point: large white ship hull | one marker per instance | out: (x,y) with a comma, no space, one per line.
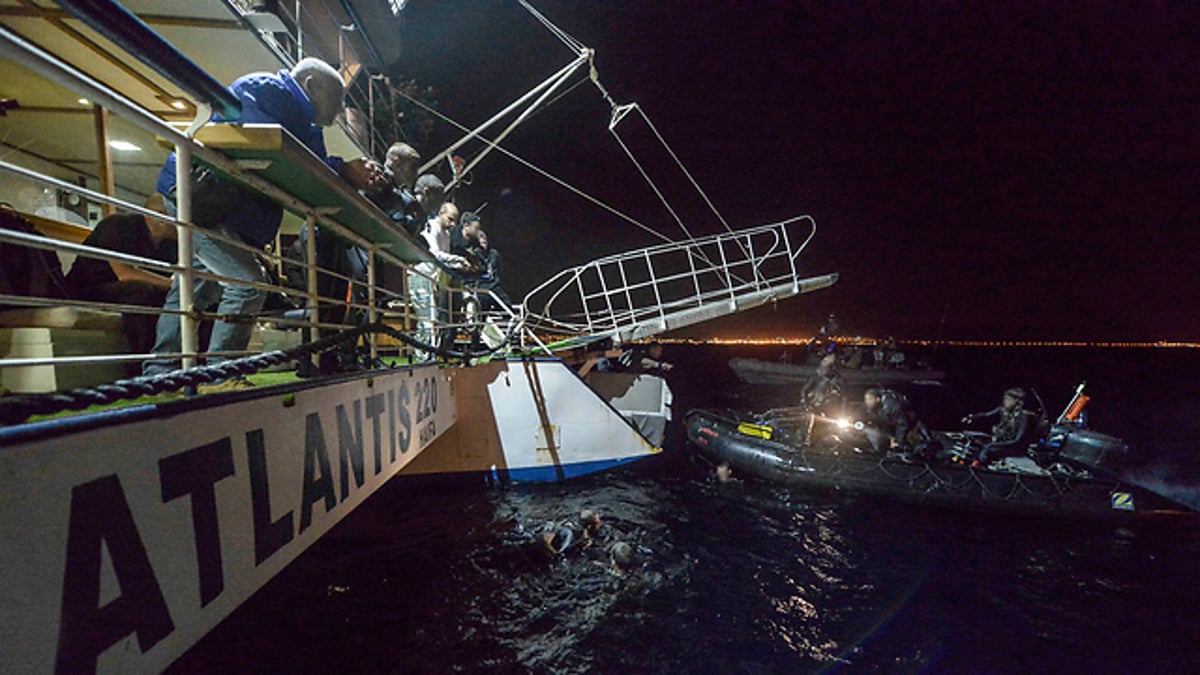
(128,535)
(536,420)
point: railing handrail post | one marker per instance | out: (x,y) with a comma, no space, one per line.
(189,339)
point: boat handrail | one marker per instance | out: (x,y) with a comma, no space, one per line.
(653,289)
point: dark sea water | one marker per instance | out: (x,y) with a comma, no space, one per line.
(747,578)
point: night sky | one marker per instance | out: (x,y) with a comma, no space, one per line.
(1027,169)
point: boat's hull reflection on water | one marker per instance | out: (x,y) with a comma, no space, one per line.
(742,576)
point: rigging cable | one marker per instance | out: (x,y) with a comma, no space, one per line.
(618,112)
(544,173)
(683,168)
(567,39)
(553,84)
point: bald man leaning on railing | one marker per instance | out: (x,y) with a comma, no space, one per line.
(302,101)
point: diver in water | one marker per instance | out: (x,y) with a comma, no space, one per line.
(621,556)
(897,427)
(723,472)
(589,526)
(560,537)
(1013,431)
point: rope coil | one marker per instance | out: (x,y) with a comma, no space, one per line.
(18,409)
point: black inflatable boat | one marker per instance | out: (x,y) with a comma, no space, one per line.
(1071,472)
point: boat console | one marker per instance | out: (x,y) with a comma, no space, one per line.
(1087,449)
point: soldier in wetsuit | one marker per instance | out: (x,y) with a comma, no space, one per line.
(824,386)
(1014,430)
(894,420)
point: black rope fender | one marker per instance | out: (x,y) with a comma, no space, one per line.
(18,409)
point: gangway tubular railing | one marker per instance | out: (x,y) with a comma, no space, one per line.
(727,258)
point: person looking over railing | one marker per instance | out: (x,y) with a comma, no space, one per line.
(98,280)
(462,244)
(302,101)
(462,237)
(437,236)
(488,261)
(430,193)
(344,264)
(401,164)
(397,198)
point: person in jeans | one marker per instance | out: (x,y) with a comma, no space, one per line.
(302,101)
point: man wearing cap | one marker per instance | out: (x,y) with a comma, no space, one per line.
(1013,431)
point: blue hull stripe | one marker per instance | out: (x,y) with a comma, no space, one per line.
(550,474)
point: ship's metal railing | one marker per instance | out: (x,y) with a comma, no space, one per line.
(389,304)
(652,290)
(392,305)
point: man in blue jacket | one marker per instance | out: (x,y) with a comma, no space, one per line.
(303,101)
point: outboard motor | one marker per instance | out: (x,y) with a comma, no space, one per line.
(1087,449)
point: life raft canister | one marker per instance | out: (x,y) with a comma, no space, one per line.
(755,430)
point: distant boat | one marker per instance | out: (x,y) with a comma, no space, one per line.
(756,371)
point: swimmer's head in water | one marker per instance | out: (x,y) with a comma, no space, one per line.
(589,520)
(622,555)
(724,473)
(558,540)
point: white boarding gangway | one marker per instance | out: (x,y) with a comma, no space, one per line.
(645,292)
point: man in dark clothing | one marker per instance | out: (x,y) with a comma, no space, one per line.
(488,260)
(411,210)
(462,237)
(400,164)
(824,386)
(462,245)
(644,359)
(398,198)
(1014,430)
(895,422)
(344,265)
(98,280)
(430,194)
